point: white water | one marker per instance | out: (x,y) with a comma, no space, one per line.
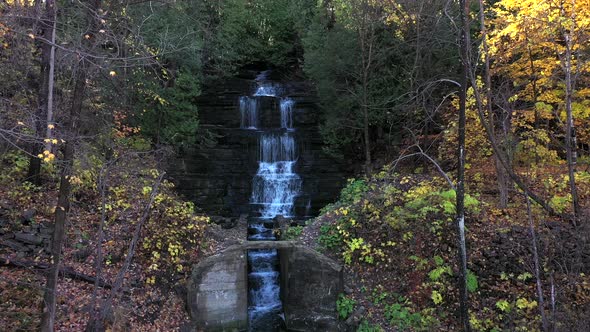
(268,90)
(248,112)
(274,188)
(287,113)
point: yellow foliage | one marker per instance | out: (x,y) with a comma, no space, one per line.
(527,43)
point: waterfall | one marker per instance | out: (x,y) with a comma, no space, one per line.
(248,112)
(277,148)
(268,90)
(274,188)
(287,113)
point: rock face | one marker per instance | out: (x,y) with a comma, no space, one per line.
(310,284)
(218,293)
(218,178)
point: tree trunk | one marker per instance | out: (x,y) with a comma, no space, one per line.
(63,203)
(570,133)
(537,264)
(503,183)
(366,35)
(461,242)
(367,140)
(65,271)
(47,31)
(50,82)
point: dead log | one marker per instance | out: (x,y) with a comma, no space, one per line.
(65,271)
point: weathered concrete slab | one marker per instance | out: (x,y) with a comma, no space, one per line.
(310,283)
(218,293)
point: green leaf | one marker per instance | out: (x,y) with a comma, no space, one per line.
(436,297)
(472,283)
(438,260)
(503,305)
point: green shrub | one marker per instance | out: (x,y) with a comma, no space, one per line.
(353,192)
(330,237)
(365,326)
(344,306)
(293,232)
(400,316)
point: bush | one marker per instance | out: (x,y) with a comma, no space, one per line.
(344,306)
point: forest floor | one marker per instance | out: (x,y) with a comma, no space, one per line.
(151,299)
(397,243)
(141,307)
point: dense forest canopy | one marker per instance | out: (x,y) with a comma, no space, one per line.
(450,112)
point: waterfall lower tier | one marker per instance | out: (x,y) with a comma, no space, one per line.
(275,187)
(264,302)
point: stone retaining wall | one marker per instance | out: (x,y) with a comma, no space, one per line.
(32,238)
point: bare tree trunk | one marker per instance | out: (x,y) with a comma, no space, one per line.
(503,183)
(367,139)
(50,81)
(461,241)
(102,185)
(47,32)
(570,133)
(553,306)
(366,36)
(63,204)
(537,264)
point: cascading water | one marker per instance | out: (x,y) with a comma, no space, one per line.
(287,113)
(249,112)
(268,90)
(275,184)
(274,189)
